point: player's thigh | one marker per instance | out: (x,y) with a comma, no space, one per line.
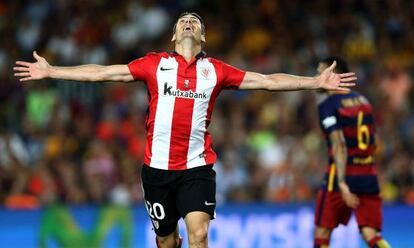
(197,223)
(369,212)
(331,210)
(197,192)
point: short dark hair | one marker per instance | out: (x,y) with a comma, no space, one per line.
(341,65)
(203,28)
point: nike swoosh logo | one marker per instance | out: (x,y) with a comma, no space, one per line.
(165,69)
(209,203)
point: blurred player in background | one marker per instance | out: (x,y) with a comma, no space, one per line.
(178,178)
(350,183)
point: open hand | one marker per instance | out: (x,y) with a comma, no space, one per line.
(350,199)
(329,80)
(32,71)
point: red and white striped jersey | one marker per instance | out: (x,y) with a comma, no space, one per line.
(181,99)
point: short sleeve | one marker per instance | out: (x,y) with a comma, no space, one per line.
(328,117)
(231,76)
(139,67)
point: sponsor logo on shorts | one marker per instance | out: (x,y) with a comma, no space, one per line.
(209,203)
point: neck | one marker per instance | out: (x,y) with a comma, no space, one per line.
(188,49)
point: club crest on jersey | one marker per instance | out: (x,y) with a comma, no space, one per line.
(186,83)
(205,72)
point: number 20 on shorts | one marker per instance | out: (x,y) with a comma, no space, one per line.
(155,211)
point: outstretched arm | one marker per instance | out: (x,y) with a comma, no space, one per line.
(327,80)
(340,156)
(93,73)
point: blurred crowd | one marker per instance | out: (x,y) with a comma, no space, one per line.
(83,143)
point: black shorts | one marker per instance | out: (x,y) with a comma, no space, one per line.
(171,195)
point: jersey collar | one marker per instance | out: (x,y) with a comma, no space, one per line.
(200,55)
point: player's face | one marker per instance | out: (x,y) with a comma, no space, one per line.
(188,26)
